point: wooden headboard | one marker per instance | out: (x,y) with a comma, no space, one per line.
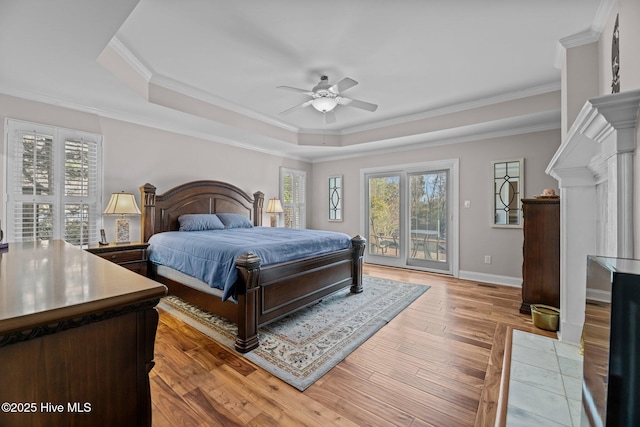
(160,212)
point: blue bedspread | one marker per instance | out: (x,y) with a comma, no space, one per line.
(209,255)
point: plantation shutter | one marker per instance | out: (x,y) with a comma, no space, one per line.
(80,192)
(53,184)
(293,190)
(31,186)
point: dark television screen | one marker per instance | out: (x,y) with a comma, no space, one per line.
(611,382)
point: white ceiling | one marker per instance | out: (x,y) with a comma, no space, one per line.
(210,68)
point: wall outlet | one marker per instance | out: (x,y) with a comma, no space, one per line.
(487,259)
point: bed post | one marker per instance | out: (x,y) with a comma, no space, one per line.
(258,202)
(247,286)
(148,193)
(358,243)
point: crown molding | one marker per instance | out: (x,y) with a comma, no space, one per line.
(575,40)
(580,39)
(154,78)
(456,108)
(201,95)
(312,158)
(602,15)
(136,64)
(144,121)
(587,36)
(470,136)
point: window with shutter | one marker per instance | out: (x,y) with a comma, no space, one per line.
(54,186)
(293,197)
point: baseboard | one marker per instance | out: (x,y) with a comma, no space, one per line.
(598,295)
(491,278)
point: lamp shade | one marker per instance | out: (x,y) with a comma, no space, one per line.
(122,204)
(274,206)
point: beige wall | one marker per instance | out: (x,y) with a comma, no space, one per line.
(135,155)
(477,237)
(581,76)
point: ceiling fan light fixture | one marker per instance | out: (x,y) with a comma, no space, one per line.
(324,104)
(325,97)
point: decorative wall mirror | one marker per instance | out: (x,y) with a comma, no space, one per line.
(508,190)
(335,198)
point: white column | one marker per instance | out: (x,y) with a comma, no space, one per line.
(578,212)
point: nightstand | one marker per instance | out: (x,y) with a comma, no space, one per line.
(129,255)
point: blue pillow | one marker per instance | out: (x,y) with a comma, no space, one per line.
(231,220)
(199,222)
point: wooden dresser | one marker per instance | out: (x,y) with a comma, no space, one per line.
(77,336)
(541,253)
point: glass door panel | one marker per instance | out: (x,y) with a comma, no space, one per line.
(428,220)
(408,214)
(384,239)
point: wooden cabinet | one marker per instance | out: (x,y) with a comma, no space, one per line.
(541,253)
(77,338)
(129,255)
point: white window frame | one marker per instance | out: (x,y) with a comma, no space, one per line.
(58,200)
(298,203)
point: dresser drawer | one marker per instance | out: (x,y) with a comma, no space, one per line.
(132,256)
(120,257)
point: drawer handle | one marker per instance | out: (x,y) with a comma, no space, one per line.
(113,256)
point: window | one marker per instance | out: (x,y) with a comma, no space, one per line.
(54,186)
(292,190)
(335,198)
(508,185)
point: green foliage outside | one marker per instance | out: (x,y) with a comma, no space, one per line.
(427,204)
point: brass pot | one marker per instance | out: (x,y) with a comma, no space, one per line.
(545,317)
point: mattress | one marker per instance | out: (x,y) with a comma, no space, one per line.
(210,255)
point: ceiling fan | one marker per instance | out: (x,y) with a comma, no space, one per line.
(325,97)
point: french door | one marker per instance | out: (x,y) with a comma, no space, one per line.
(408,215)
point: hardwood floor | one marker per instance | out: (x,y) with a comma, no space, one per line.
(438,363)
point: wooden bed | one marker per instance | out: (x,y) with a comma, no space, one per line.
(265,293)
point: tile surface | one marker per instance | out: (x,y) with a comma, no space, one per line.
(544,383)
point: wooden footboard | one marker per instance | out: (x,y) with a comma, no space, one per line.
(272,292)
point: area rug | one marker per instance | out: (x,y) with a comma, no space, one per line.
(302,347)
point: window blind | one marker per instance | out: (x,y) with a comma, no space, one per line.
(80,192)
(293,189)
(53,184)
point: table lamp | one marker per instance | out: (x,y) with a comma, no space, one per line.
(123,204)
(274,207)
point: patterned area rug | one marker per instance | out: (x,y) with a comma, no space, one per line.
(302,347)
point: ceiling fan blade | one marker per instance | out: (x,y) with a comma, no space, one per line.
(343,85)
(356,103)
(329,117)
(295,107)
(295,89)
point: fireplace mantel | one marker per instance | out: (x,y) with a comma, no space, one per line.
(594,168)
